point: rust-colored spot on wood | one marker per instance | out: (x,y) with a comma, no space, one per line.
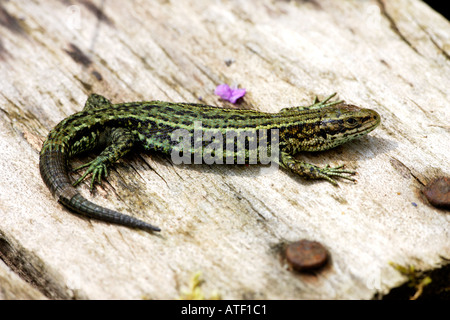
(437,192)
(305,255)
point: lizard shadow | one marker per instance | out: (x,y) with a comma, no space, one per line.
(353,151)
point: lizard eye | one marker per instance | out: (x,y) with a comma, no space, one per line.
(351,122)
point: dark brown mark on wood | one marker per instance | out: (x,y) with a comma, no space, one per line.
(98,12)
(314,3)
(97,75)
(10,22)
(78,56)
(3,52)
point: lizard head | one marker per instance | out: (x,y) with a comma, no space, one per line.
(341,123)
(330,126)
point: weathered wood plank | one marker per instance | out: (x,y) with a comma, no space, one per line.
(230,222)
(12,287)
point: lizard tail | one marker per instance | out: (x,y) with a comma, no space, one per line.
(52,165)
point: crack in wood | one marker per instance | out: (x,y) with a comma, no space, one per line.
(33,270)
(439,48)
(394,27)
(404,171)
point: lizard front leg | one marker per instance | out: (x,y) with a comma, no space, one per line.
(310,171)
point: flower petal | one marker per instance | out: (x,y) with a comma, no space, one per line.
(236,94)
(223,91)
(230,94)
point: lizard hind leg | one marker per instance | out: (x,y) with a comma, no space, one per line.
(119,143)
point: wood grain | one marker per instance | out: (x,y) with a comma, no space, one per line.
(229,222)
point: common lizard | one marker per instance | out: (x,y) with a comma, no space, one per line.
(120,127)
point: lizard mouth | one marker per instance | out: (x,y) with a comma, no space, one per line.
(369,122)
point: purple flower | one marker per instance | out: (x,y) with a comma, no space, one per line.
(230,94)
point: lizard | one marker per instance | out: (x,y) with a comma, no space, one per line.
(121,127)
